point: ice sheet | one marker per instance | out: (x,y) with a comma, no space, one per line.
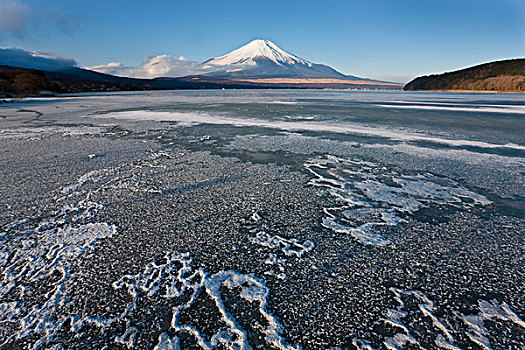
(185,118)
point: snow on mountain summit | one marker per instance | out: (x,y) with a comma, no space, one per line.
(264,59)
(256,50)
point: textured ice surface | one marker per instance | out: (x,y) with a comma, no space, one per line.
(372,195)
(414,321)
(489,311)
(96,218)
(191,118)
(174,277)
(42,254)
(41,251)
(38,263)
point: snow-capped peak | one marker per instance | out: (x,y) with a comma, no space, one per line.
(254,50)
(263,59)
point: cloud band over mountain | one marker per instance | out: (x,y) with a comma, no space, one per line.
(34,59)
(152,67)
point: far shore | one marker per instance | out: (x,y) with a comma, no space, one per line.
(471,91)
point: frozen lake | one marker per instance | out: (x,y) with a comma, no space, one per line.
(271,219)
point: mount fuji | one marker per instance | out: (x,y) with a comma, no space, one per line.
(262,59)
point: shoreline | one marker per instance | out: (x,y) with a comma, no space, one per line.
(470,91)
(95,93)
(18,98)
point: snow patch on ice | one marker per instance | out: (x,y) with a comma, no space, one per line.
(489,311)
(290,247)
(39,132)
(283,248)
(372,195)
(176,279)
(513,109)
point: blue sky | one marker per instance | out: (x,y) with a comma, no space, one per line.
(392,40)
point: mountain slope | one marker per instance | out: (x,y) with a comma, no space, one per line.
(504,76)
(261,59)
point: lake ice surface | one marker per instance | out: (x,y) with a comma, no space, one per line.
(263,219)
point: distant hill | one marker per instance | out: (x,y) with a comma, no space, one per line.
(16,81)
(501,76)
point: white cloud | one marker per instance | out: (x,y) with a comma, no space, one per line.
(165,66)
(110,68)
(152,67)
(15,18)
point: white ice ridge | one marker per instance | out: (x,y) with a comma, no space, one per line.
(405,318)
(372,196)
(489,311)
(282,247)
(174,278)
(395,317)
(513,109)
(290,247)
